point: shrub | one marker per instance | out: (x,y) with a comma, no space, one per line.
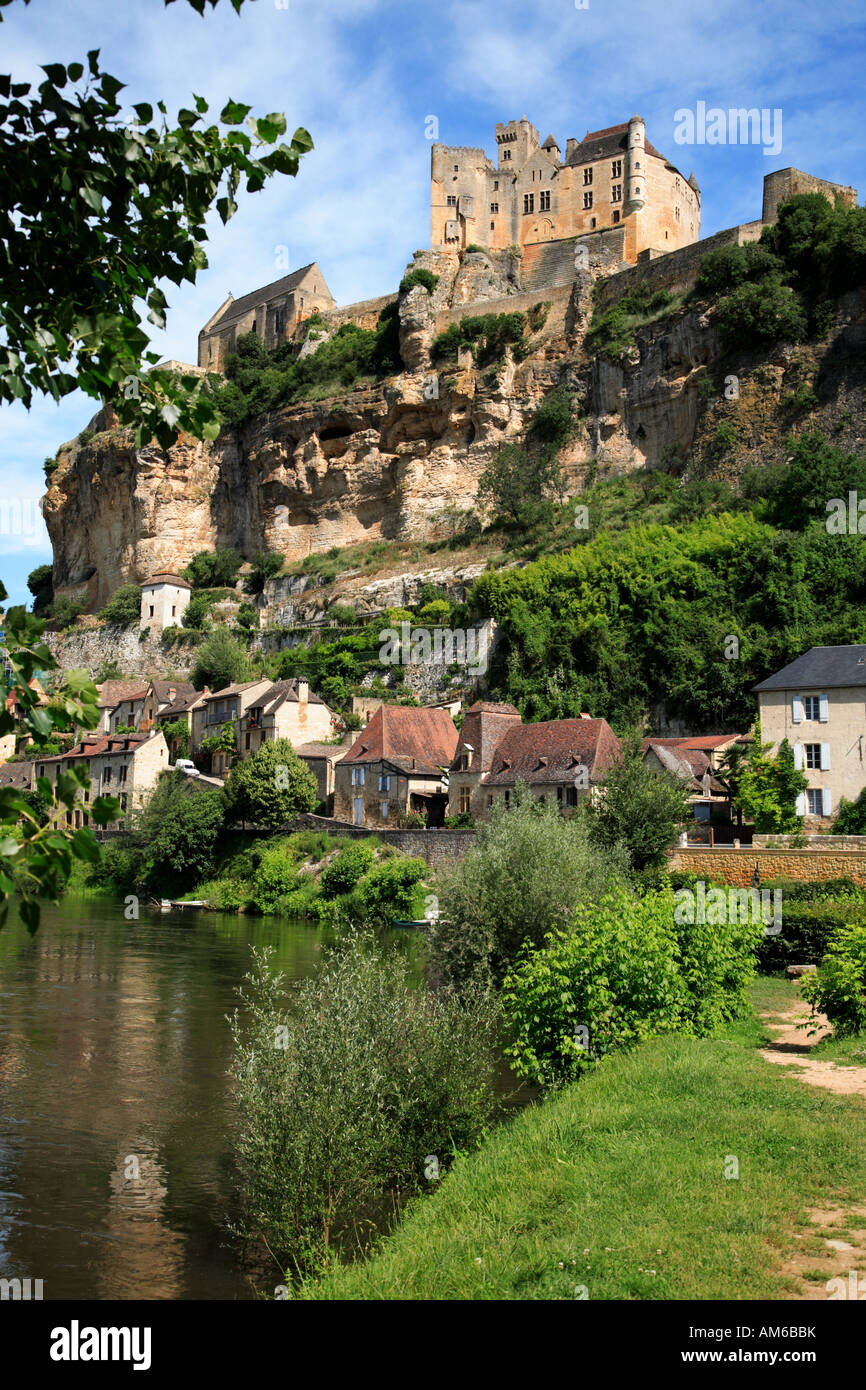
(65,611)
(247,617)
(275,877)
(620,972)
(419,276)
(525,874)
(487,335)
(181,826)
(851,816)
(612,332)
(124,607)
(765,311)
(265,565)
(391,890)
(553,421)
(119,867)
(344,872)
(211,569)
(41,585)
(343,1095)
(807,929)
(639,809)
(270,788)
(729,266)
(838,988)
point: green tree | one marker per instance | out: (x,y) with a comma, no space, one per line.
(521,485)
(265,565)
(270,788)
(98,206)
(180,826)
(124,607)
(36,859)
(768,788)
(638,808)
(40,583)
(210,569)
(220,661)
(851,816)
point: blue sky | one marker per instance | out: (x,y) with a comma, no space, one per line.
(364,75)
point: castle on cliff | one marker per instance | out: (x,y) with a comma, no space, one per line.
(613,193)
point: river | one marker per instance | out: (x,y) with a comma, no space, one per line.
(114,1050)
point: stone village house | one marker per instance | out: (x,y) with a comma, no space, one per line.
(818,703)
(396,766)
(259,711)
(697,760)
(125,766)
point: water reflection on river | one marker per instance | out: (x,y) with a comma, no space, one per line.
(114,1050)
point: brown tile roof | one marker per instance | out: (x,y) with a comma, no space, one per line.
(696,741)
(332,751)
(687,762)
(550,752)
(401,733)
(602,144)
(281,692)
(484,727)
(166,577)
(248,302)
(173,691)
(233,689)
(112,693)
(92,747)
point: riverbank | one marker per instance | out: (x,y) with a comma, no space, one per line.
(690,1168)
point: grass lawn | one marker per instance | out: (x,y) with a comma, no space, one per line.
(618,1184)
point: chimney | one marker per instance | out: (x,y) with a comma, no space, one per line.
(570,147)
(303,691)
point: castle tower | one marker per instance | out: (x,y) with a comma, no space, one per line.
(636,167)
(515,142)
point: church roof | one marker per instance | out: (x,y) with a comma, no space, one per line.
(247,302)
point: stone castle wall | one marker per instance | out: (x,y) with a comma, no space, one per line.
(676,270)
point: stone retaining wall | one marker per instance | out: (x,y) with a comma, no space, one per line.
(736,866)
(437,847)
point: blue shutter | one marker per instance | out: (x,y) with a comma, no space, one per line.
(827,800)
(798,756)
(824,708)
(801,803)
(797,709)
(825,757)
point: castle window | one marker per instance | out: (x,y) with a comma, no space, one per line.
(616,193)
(495,185)
(493,226)
(151,610)
(506,154)
(587,176)
(529,202)
(677,185)
(666,234)
(637,164)
(592,222)
(456,167)
(452,200)
(677,214)
(616,169)
(544,201)
(494,207)
(615,216)
(587,200)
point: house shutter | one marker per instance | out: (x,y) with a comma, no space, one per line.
(827,800)
(798,756)
(797,709)
(824,709)
(825,757)
(801,803)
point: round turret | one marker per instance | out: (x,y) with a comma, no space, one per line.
(635,183)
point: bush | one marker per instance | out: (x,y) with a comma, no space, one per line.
(212,569)
(765,311)
(419,276)
(124,607)
(639,809)
(41,585)
(266,564)
(838,988)
(64,612)
(553,421)
(270,788)
(391,890)
(851,816)
(344,872)
(807,929)
(344,1095)
(619,973)
(612,332)
(247,617)
(181,826)
(487,335)
(275,878)
(197,610)
(723,270)
(525,874)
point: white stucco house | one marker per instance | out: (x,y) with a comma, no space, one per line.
(164,600)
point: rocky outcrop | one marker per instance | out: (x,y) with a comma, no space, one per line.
(389,461)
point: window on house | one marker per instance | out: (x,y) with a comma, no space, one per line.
(494,207)
(384,782)
(465,798)
(452,200)
(529,202)
(544,201)
(495,185)
(592,222)
(507,796)
(106,775)
(246,741)
(173,611)
(123,798)
(616,216)
(587,176)
(151,610)
(383,807)
(357,777)
(121,773)
(616,169)
(815,801)
(587,200)
(811,707)
(493,226)
(616,193)
(813,754)
(489,800)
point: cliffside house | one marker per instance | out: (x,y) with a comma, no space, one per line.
(164,600)
(121,704)
(398,764)
(180,710)
(273,312)
(697,760)
(162,695)
(287,709)
(322,759)
(484,726)
(559,760)
(124,766)
(818,703)
(226,706)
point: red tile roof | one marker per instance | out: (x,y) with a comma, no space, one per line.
(113,693)
(401,733)
(550,752)
(484,727)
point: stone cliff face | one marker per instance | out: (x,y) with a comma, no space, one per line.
(384,461)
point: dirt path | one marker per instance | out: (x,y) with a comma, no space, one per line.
(830,1259)
(792,1046)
